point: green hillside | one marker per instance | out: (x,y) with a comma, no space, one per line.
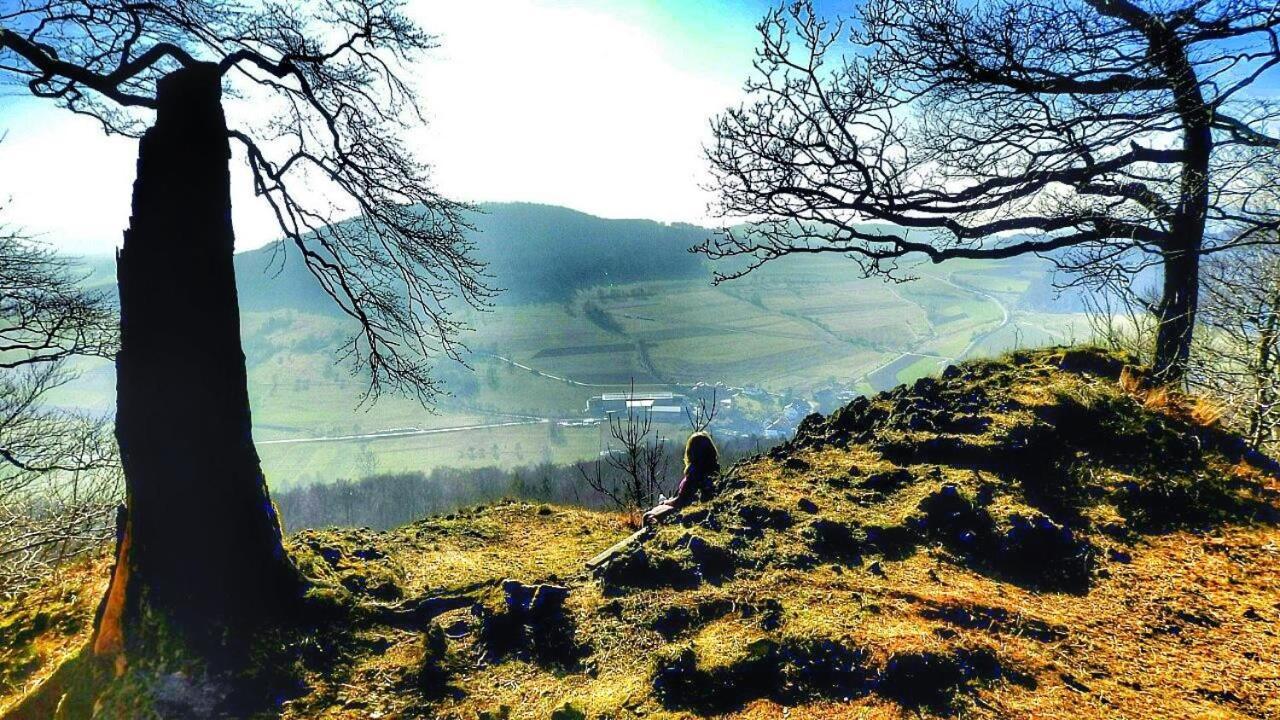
(591,305)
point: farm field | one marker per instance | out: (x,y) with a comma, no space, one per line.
(794,330)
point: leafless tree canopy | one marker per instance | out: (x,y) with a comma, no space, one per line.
(1238,359)
(635,464)
(329,102)
(702,412)
(45,317)
(1121,133)
(59,477)
(59,474)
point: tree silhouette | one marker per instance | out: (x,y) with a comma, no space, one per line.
(59,483)
(318,103)
(1120,134)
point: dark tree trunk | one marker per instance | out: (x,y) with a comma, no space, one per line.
(1177,314)
(201,551)
(1181,296)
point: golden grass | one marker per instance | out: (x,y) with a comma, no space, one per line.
(47,625)
(1186,629)
(1128,643)
(1121,642)
(1198,410)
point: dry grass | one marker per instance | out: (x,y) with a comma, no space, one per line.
(1178,623)
(1198,410)
(46,625)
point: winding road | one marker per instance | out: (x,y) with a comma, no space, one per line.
(404,432)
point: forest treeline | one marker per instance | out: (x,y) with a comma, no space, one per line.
(388,500)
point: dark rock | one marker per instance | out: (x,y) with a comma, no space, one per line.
(796,464)
(893,541)
(939,450)
(369,553)
(965,424)
(532,624)
(458,629)
(548,600)
(759,516)
(812,427)
(636,568)
(831,539)
(679,683)
(517,596)
(1119,556)
(857,417)
(713,561)
(1041,552)
(769,612)
(887,481)
(673,621)
(825,668)
(917,421)
(807,505)
(533,600)
(932,680)
(953,518)
(926,387)
(1093,362)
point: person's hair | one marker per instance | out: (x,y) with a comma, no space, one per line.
(701,455)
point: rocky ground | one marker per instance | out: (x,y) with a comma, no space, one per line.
(1039,536)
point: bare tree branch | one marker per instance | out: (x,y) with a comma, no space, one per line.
(321,101)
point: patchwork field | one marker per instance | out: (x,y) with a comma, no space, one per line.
(795,329)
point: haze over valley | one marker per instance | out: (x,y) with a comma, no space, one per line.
(588,306)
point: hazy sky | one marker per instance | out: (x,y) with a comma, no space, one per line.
(599,105)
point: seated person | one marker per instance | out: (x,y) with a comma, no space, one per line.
(701,465)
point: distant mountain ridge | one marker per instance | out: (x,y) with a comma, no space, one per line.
(535,253)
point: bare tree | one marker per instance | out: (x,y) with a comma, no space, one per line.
(59,482)
(702,413)
(1237,359)
(45,316)
(318,103)
(637,464)
(1112,135)
(59,478)
(1121,322)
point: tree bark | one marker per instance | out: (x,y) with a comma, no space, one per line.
(201,551)
(1177,315)
(1181,255)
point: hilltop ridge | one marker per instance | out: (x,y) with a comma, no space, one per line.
(1042,535)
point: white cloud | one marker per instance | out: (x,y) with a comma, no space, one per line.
(568,106)
(599,110)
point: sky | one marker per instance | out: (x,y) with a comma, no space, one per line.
(598,105)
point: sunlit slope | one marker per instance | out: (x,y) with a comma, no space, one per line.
(1041,536)
(1038,536)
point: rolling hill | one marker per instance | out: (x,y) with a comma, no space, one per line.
(590,306)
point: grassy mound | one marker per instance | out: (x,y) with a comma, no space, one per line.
(1040,536)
